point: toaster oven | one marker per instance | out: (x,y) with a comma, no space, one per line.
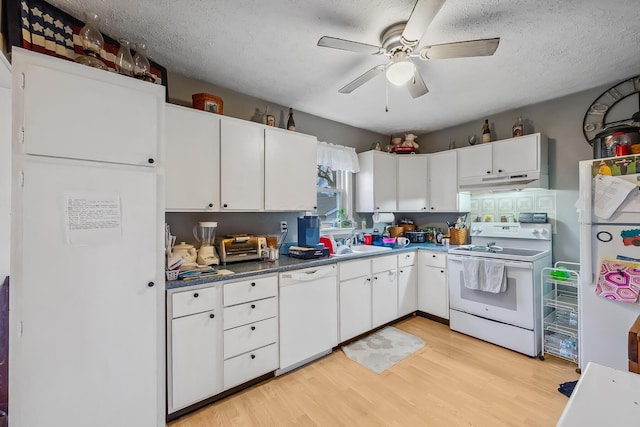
(242,248)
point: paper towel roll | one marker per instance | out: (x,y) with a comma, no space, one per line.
(386,217)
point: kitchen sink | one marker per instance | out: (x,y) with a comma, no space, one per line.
(360,249)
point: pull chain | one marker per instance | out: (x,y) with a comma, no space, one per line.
(386,95)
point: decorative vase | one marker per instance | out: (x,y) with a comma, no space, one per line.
(124,60)
(141,66)
(92,43)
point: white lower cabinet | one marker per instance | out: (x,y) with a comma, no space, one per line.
(219,336)
(407,284)
(250,329)
(368,294)
(195,354)
(433,291)
(384,290)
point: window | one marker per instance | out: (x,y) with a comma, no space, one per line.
(334,193)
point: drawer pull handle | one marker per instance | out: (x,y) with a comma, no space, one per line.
(253,356)
(375,277)
(253,284)
(368,279)
(196,295)
(210,205)
(434,256)
(253,306)
(401,271)
(212,315)
(253,328)
(150,284)
(441,271)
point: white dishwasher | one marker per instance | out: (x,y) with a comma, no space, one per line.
(308,315)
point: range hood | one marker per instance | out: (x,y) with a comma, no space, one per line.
(504,182)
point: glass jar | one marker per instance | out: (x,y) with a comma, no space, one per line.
(141,66)
(92,43)
(124,60)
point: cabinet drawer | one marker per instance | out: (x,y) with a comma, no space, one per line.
(248,337)
(433,259)
(407,259)
(250,365)
(384,263)
(250,290)
(351,269)
(195,301)
(250,312)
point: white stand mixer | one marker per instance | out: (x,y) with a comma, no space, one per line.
(205,233)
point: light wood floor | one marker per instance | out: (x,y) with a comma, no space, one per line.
(455,380)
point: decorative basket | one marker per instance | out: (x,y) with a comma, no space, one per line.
(172,274)
(207,102)
(458,236)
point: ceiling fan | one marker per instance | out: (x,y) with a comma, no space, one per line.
(400,44)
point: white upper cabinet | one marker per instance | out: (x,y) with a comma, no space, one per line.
(241,165)
(192,166)
(517,155)
(475,161)
(443,184)
(516,163)
(376,183)
(83,113)
(290,171)
(412,183)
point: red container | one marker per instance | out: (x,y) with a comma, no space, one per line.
(368,239)
(622,150)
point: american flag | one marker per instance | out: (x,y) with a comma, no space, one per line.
(46,29)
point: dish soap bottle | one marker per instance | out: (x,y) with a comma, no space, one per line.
(518,128)
(486,132)
(291,125)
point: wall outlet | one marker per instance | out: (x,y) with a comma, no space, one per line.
(283,226)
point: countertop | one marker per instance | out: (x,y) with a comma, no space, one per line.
(287,263)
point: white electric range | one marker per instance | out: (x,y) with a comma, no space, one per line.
(510,318)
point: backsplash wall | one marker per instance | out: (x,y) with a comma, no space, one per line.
(505,207)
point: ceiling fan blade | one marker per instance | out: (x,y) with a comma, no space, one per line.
(416,85)
(482,47)
(378,69)
(423,13)
(349,45)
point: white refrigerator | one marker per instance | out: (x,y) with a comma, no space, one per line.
(607,289)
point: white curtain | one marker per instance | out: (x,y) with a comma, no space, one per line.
(338,157)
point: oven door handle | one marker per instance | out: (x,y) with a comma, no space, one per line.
(515,264)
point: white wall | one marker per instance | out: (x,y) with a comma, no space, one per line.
(561,121)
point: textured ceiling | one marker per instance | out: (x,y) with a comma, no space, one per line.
(267,49)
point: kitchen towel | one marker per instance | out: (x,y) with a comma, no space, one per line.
(619,280)
(472,273)
(495,279)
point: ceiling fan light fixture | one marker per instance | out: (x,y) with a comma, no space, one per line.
(401,69)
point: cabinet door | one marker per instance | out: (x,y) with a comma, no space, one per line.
(384,182)
(443,182)
(67,110)
(192,166)
(241,165)
(384,297)
(433,292)
(412,183)
(407,290)
(355,307)
(516,155)
(475,161)
(290,171)
(93,307)
(195,359)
